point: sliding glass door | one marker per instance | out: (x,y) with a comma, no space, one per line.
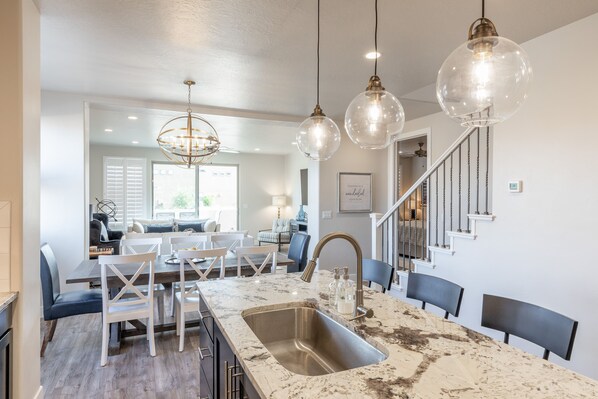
(205,191)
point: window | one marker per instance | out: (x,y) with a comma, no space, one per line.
(174,192)
(124,182)
(205,191)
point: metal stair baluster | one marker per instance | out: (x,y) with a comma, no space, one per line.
(451,202)
(468,181)
(444,205)
(487,166)
(459,229)
(436,208)
(477,210)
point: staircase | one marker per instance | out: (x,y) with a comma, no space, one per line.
(442,207)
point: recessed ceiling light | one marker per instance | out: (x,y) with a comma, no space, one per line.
(108,130)
(400,152)
(372,55)
(133,117)
(256,149)
(134,142)
(294,143)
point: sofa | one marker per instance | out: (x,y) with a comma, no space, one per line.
(174,225)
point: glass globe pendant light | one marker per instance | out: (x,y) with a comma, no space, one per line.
(485,80)
(318,137)
(374,116)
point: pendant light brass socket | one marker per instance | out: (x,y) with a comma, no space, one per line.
(485,28)
(318,111)
(482,37)
(375,84)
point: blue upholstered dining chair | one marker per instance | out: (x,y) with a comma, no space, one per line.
(58,305)
(298,252)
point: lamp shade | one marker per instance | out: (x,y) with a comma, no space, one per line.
(279,200)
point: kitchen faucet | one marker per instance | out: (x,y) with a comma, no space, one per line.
(360,310)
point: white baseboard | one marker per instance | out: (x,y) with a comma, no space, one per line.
(40,393)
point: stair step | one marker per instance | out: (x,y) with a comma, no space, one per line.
(423,263)
(460,234)
(441,250)
(480,217)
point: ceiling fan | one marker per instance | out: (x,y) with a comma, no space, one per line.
(421,153)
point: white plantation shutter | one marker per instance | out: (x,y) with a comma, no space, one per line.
(124,183)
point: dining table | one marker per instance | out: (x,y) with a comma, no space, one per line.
(166,273)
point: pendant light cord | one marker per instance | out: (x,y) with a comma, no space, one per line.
(483,8)
(318,60)
(375,37)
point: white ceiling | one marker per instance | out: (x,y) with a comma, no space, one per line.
(236,133)
(259,56)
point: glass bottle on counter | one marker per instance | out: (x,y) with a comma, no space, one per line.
(346,294)
(333,289)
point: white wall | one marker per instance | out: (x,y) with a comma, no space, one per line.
(63,208)
(19,163)
(539,248)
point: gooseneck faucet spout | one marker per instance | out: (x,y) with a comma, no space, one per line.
(360,310)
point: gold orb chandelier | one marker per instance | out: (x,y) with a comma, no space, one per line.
(189,139)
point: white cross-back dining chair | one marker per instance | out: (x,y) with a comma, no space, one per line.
(187,297)
(245,252)
(228,240)
(188,242)
(122,306)
(132,246)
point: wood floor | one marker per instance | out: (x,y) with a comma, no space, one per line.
(71,365)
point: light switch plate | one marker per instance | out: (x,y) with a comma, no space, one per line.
(515,186)
(326,214)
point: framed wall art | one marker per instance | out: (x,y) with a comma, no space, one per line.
(354,192)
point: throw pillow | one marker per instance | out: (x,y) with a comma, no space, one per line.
(158,228)
(196,227)
(103,232)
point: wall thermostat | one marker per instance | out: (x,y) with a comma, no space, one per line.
(515,186)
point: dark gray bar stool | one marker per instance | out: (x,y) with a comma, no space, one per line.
(378,272)
(552,331)
(437,291)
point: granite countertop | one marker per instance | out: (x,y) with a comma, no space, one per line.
(6,298)
(428,357)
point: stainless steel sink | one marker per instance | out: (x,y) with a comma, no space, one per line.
(306,341)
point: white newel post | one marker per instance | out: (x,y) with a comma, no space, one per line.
(376,236)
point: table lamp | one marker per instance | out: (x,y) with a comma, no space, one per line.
(279,201)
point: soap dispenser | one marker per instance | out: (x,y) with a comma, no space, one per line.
(333,289)
(346,294)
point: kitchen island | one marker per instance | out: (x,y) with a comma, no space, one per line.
(427,356)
